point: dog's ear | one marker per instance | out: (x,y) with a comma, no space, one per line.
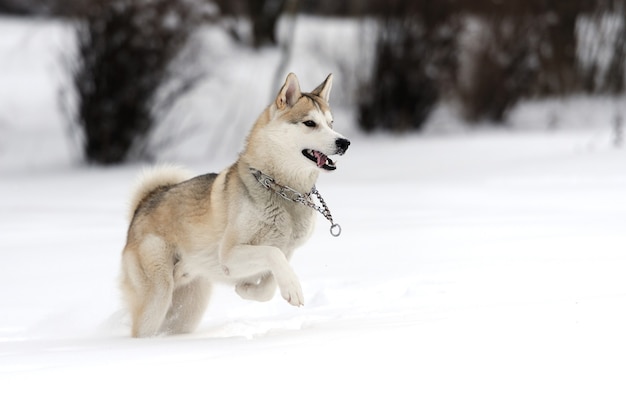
(289,93)
(323,90)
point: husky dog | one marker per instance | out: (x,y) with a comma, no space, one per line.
(187,233)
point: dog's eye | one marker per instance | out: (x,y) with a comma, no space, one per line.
(309,123)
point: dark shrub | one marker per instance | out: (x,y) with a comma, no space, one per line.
(415,57)
(499,68)
(125,49)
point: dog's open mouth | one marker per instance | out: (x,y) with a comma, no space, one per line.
(321,160)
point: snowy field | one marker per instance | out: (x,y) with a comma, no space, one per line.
(480,271)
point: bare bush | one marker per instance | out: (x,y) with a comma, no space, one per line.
(125,50)
(263,17)
(414,56)
(499,65)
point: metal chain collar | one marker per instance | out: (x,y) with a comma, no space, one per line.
(291,194)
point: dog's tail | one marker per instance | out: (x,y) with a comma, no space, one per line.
(153,178)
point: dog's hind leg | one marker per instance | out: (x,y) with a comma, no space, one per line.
(188,305)
(148,284)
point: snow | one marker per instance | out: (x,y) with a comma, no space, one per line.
(480,270)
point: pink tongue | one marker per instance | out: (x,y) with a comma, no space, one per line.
(321,158)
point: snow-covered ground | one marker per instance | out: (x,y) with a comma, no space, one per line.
(480,271)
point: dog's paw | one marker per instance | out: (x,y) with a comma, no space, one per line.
(292,293)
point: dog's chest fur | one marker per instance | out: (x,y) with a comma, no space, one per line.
(284,226)
(261,218)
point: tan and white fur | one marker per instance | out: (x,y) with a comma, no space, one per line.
(187,233)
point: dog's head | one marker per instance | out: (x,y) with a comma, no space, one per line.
(303,123)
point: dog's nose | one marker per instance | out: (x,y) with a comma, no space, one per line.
(342,145)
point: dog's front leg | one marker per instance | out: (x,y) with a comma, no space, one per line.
(242,261)
(260,288)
